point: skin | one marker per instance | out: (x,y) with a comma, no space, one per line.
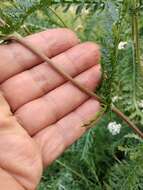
(41,113)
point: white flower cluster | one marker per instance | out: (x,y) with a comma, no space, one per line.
(122,45)
(114,128)
(116,98)
(140,104)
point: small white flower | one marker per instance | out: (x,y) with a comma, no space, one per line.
(122,45)
(140,104)
(114,128)
(116,98)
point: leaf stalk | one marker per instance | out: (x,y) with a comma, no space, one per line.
(39,53)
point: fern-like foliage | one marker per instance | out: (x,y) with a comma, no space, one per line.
(28,16)
(127,174)
(99,160)
(123,76)
(127,71)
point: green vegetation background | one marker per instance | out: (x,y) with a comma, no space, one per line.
(99,160)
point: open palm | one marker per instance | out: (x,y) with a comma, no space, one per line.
(41,113)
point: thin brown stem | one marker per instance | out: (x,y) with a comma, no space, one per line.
(39,53)
(128,121)
(55,67)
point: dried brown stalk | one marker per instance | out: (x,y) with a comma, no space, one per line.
(39,53)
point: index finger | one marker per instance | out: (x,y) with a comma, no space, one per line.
(15,58)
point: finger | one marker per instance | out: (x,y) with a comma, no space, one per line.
(33,83)
(54,139)
(15,58)
(46,110)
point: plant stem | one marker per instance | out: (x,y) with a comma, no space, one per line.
(36,51)
(76,2)
(128,121)
(74,172)
(135,30)
(54,12)
(39,53)
(136,49)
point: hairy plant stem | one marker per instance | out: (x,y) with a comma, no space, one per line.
(135,30)
(39,53)
(136,48)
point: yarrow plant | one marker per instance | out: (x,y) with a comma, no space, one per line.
(114,128)
(91,163)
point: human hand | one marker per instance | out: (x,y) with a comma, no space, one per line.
(41,114)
